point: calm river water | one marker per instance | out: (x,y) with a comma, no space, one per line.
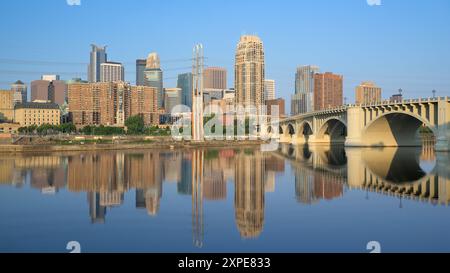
(296,199)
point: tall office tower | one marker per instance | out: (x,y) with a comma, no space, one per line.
(50,78)
(20,92)
(53,91)
(172,98)
(154,76)
(185,83)
(367,92)
(328,91)
(215,78)
(249,71)
(112,72)
(6,105)
(57,92)
(98,56)
(140,68)
(39,90)
(269,90)
(249,193)
(303,99)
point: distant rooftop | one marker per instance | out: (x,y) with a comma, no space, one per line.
(37,105)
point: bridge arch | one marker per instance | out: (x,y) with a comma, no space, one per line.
(333,130)
(304,132)
(290,129)
(395,129)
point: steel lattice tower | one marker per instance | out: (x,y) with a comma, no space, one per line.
(197,94)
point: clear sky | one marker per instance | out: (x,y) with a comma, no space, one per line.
(400,44)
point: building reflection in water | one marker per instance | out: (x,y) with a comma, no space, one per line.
(249,192)
(320,173)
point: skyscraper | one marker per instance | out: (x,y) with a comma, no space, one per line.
(328,91)
(39,90)
(140,68)
(98,56)
(303,99)
(249,193)
(215,78)
(249,71)
(54,91)
(20,92)
(112,72)
(367,92)
(269,90)
(154,76)
(185,84)
(172,98)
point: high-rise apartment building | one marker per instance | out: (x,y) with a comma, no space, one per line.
(98,56)
(367,92)
(215,78)
(20,92)
(185,83)
(303,99)
(144,102)
(140,68)
(111,103)
(6,105)
(249,71)
(154,76)
(112,72)
(269,90)
(328,91)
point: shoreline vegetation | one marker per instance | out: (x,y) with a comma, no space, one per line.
(36,144)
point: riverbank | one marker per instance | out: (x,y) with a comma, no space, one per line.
(100,145)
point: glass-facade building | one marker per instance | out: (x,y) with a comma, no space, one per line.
(98,56)
(303,100)
(140,69)
(154,78)
(185,84)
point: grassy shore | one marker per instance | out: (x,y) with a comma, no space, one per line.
(61,144)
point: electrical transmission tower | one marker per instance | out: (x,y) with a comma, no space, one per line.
(197,94)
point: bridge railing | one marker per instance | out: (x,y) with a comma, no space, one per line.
(381,103)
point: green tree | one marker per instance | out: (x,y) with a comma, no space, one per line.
(135,125)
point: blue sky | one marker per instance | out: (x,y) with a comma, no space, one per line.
(400,44)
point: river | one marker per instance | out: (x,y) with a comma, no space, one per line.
(296,199)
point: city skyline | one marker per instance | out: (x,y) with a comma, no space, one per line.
(361,60)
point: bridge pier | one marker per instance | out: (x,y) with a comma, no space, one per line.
(443,135)
(355,126)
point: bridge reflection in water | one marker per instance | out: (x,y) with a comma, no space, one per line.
(323,172)
(318,173)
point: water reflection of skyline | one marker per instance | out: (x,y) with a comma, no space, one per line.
(319,173)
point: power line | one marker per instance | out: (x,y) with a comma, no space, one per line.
(41,62)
